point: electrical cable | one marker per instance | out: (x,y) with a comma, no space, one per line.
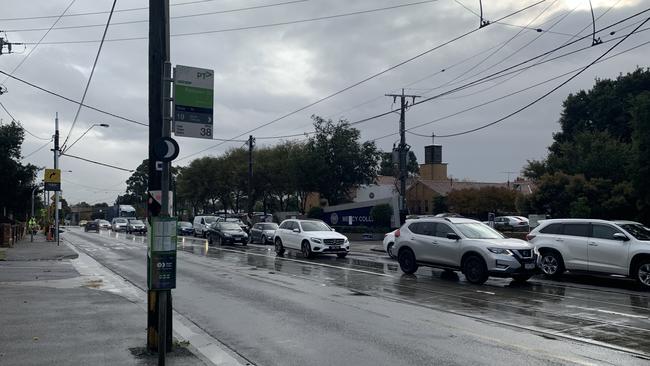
(90,78)
(91,187)
(171,18)
(98,163)
(21,125)
(39,41)
(37,150)
(72,100)
(327,17)
(421,54)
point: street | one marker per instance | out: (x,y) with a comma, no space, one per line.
(362,310)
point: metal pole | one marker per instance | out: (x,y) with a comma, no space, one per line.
(31,229)
(402,153)
(56,166)
(250,176)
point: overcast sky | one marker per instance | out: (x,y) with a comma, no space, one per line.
(266,72)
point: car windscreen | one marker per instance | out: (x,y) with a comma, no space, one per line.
(121,221)
(229,226)
(478,231)
(210,219)
(136,222)
(184,224)
(638,231)
(269,226)
(236,221)
(314,226)
(104,222)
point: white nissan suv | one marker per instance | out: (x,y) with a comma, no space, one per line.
(465,245)
(311,237)
(597,246)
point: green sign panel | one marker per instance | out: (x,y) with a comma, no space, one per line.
(193,102)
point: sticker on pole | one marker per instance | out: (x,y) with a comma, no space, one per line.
(193,102)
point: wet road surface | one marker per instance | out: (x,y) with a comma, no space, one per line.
(363,310)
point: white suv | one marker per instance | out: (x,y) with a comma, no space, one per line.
(465,245)
(599,246)
(311,237)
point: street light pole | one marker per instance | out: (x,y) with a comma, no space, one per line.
(66,148)
(56,166)
(31,230)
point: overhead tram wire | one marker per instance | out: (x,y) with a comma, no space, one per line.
(421,54)
(327,17)
(90,78)
(98,163)
(501,73)
(172,17)
(72,100)
(37,150)
(547,93)
(21,125)
(39,42)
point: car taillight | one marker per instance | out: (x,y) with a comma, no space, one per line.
(397,233)
(530,237)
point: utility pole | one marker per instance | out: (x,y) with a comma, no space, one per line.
(251,143)
(56,166)
(403,149)
(159,302)
(5,42)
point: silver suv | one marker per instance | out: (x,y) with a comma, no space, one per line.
(598,246)
(465,245)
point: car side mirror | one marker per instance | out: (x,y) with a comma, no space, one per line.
(620,236)
(296,230)
(453,236)
(333,229)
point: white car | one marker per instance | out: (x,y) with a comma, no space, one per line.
(459,244)
(596,246)
(389,242)
(311,237)
(119,224)
(201,224)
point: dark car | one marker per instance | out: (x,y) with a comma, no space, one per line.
(184,228)
(226,232)
(263,232)
(92,226)
(136,226)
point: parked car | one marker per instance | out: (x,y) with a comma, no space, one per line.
(263,232)
(459,244)
(92,226)
(311,237)
(184,228)
(511,223)
(201,224)
(103,224)
(226,233)
(119,224)
(136,226)
(239,222)
(596,246)
(389,242)
(83,223)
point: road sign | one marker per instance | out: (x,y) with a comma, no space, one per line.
(52,179)
(161,264)
(166,149)
(193,102)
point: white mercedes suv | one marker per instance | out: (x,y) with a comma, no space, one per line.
(311,237)
(596,246)
(459,244)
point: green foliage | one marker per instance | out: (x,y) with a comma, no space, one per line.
(381,215)
(440,204)
(478,202)
(315,213)
(599,163)
(389,168)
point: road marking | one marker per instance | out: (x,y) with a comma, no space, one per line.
(607,312)
(486,292)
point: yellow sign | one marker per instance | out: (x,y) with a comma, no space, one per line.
(52,175)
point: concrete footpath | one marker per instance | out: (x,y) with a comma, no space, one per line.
(53,314)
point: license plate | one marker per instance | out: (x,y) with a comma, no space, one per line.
(529,266)
(335,247)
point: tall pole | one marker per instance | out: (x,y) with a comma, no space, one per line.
(31,229)
(251,142)
(403,149)
(56,166)
(159,327)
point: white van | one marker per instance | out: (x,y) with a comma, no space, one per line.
(201,224)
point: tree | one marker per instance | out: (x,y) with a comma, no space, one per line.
(18,180)
(338,161)
(641,150)
(478,202)
(381,215)
(389,168)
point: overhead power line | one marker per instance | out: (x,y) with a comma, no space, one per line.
(90,78)
(253,26)
(21,125)
(97,162)
(173,17)
(421,54)
(37,150)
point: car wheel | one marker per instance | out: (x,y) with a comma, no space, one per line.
(341,255)
(475,270)
(643,273)
(407,261)
(210,239)
(264,240)
(521,278)
(306,250)
(389,250)
(279,248)
(552,264)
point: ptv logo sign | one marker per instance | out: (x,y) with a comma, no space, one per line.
(203,75)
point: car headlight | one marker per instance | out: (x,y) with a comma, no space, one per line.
(500,251)
(346,241)
(316,240)
(226,235)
